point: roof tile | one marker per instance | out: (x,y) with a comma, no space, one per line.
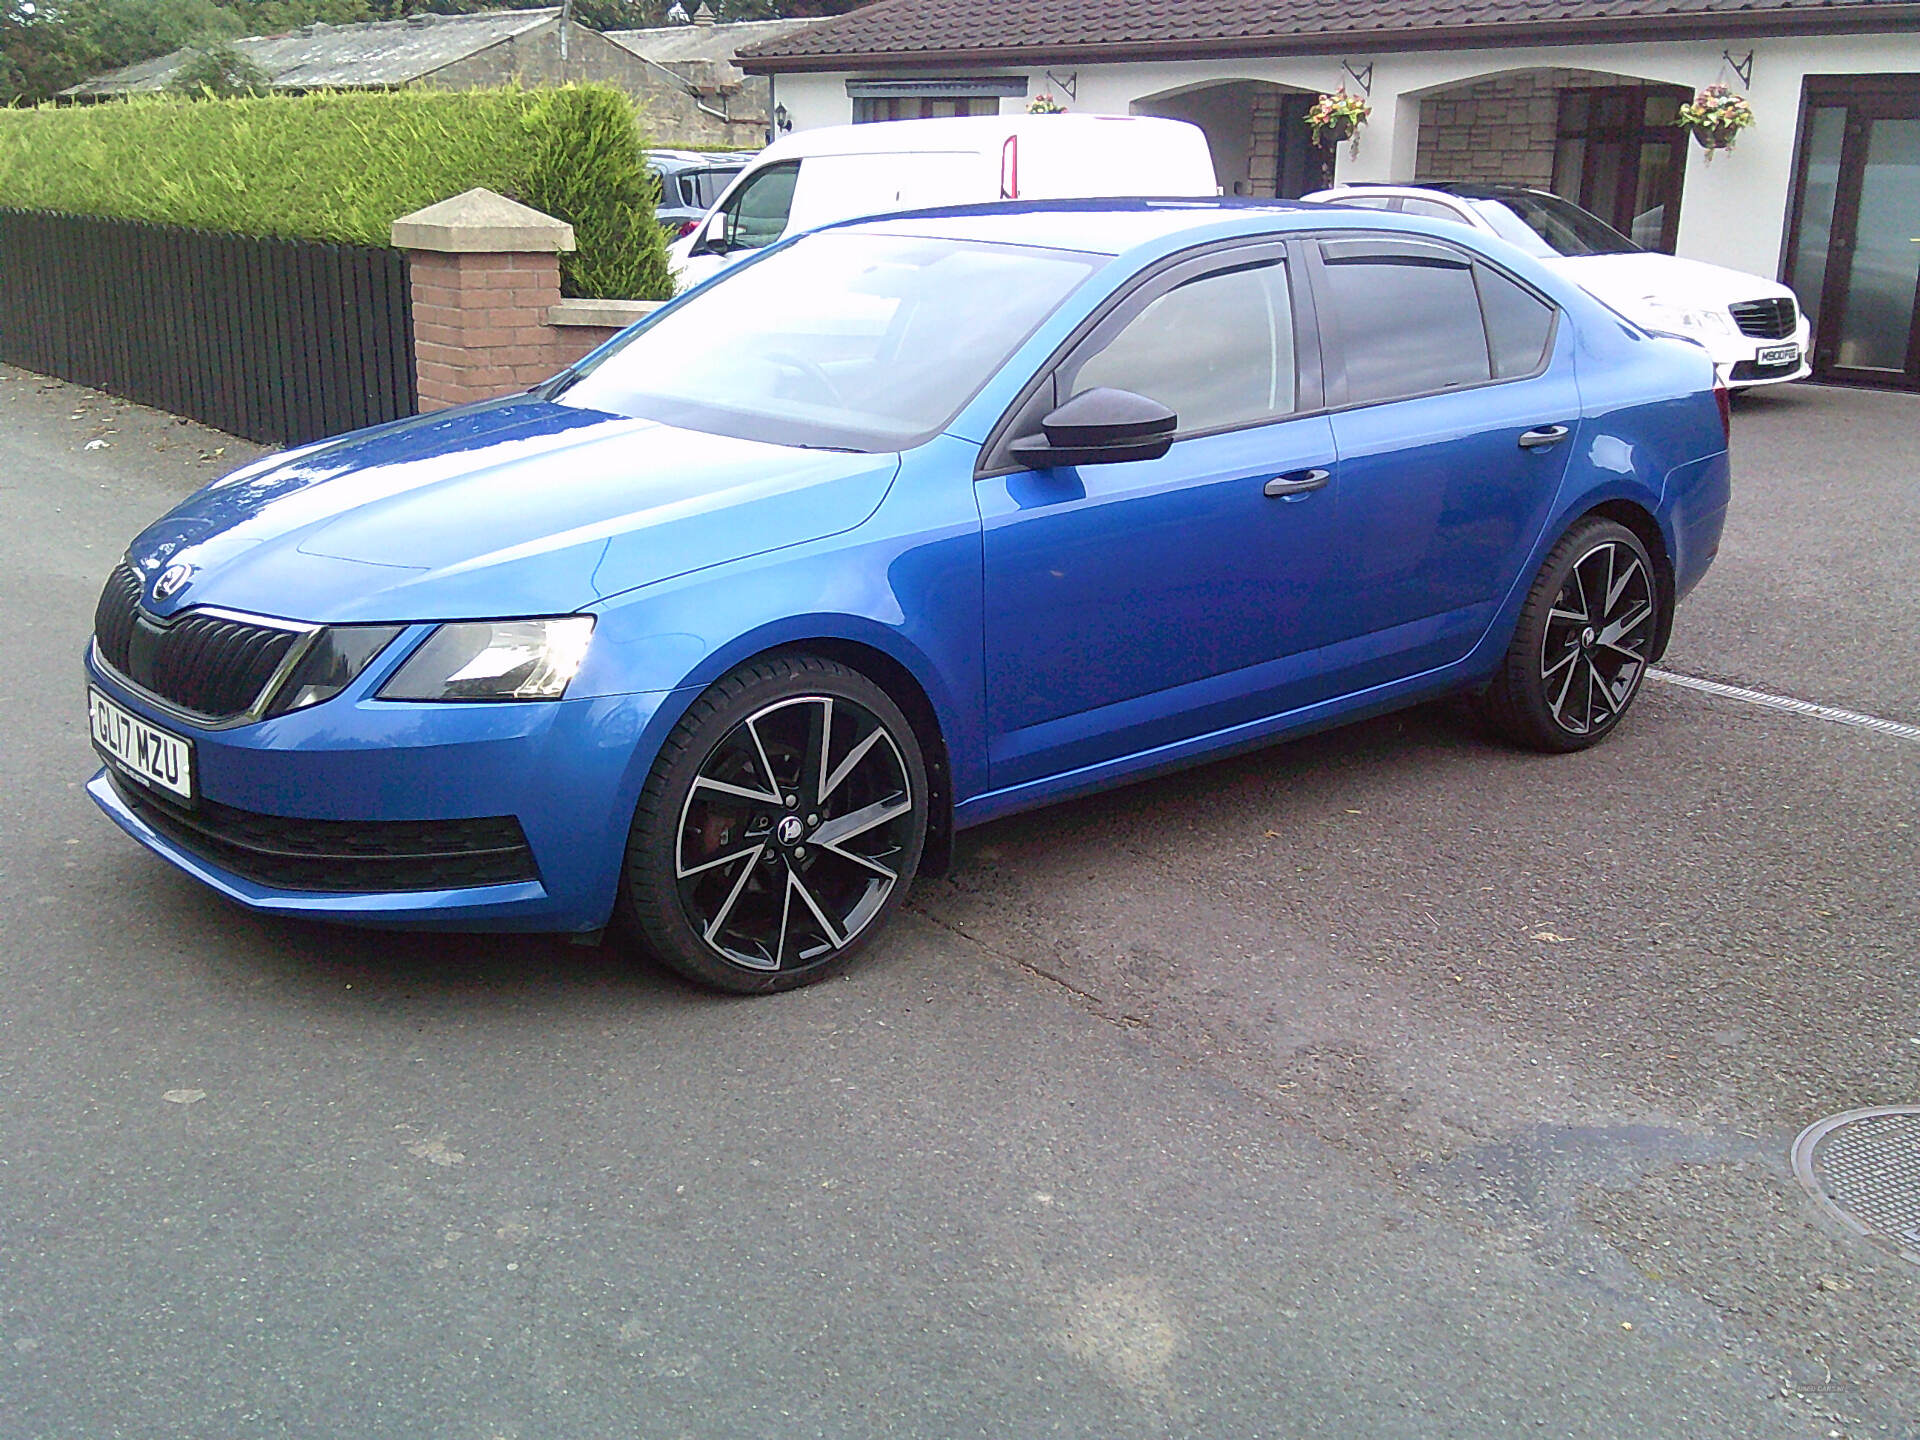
(930,27)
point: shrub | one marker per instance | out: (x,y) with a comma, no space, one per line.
(590,170)
(345,165)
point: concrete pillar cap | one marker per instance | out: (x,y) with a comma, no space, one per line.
(481,222)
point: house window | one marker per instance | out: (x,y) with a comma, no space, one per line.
(1619,154)
(921,107)
(931,98)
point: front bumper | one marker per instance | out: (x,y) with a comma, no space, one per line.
(566,773)
(1737,358)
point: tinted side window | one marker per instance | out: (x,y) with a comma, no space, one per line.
(1217,349)
(707,185)
(1409,318)
(1518,323)
(757,214)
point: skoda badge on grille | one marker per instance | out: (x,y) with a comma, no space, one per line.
(172,580)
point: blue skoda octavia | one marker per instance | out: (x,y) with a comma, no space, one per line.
(907,524)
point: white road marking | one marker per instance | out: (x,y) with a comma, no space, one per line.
(1791,705)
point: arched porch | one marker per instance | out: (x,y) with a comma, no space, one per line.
(1257,132)
(1605,141)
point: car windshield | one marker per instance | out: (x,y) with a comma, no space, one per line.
(1547,225)
(842,340)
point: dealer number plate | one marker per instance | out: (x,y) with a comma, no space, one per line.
(1777,355)
(144,752)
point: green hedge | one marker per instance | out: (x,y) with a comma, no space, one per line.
(345,165)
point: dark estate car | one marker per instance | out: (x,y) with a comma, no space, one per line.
(690,181)
(899,526)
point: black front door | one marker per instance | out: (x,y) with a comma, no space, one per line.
(1854,258)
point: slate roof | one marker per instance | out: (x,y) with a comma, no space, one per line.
(921,32)
(343,57)
(667,43)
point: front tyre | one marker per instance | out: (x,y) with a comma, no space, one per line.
(780,827)
(1583,643)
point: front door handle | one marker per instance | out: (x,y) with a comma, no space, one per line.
(1543,436)
(1296,482)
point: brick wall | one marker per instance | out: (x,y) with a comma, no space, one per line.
(491,304)
(671,116)
(1499,129)
(487,314)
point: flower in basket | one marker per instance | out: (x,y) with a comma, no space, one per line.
(1045,104)
(1714,117)
(1338,117)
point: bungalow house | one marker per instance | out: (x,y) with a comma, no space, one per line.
(456,52)
(1578,96)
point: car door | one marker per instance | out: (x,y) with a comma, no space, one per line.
(1454,414)
(1135,605)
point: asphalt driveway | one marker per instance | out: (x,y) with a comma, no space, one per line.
(1389,1083)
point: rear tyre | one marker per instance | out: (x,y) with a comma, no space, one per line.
(1583,643)
(780,828)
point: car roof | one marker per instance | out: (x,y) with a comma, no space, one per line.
(697,159)
(1099,227)
(1117,226)
(1464,189)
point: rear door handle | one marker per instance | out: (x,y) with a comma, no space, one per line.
(1296,482)
(1544,435)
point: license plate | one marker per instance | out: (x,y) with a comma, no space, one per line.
(138,750)
(1777,355)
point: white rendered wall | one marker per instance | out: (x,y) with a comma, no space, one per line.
(1733,211)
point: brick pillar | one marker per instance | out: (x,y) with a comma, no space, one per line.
(486,276)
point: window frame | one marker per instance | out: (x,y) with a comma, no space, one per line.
(1041,394)
(1333,337)
(729,207)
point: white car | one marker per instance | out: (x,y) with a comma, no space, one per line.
(840,172)
(1753,328)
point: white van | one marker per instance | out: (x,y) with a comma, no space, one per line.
(839,172)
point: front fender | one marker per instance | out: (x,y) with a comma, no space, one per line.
(906,584)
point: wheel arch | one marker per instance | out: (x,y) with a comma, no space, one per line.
(1646,529)
(905,689)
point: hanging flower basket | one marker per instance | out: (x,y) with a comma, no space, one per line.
(1714,117)
(1045,104)
(1338,117)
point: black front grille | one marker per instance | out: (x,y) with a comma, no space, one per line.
(366,856)
(1766,319)
(1754,370)
(113,616)
(205,664)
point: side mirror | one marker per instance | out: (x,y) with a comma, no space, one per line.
(713,236)
(1099,427)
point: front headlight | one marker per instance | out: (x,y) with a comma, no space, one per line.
(494,660)
(1684,319)
(337,655)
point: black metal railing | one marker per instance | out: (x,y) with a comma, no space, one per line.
(280,341)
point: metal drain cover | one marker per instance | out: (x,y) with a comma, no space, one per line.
(1864,1169)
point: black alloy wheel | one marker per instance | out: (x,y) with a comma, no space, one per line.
(781,824)
(1583,644)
